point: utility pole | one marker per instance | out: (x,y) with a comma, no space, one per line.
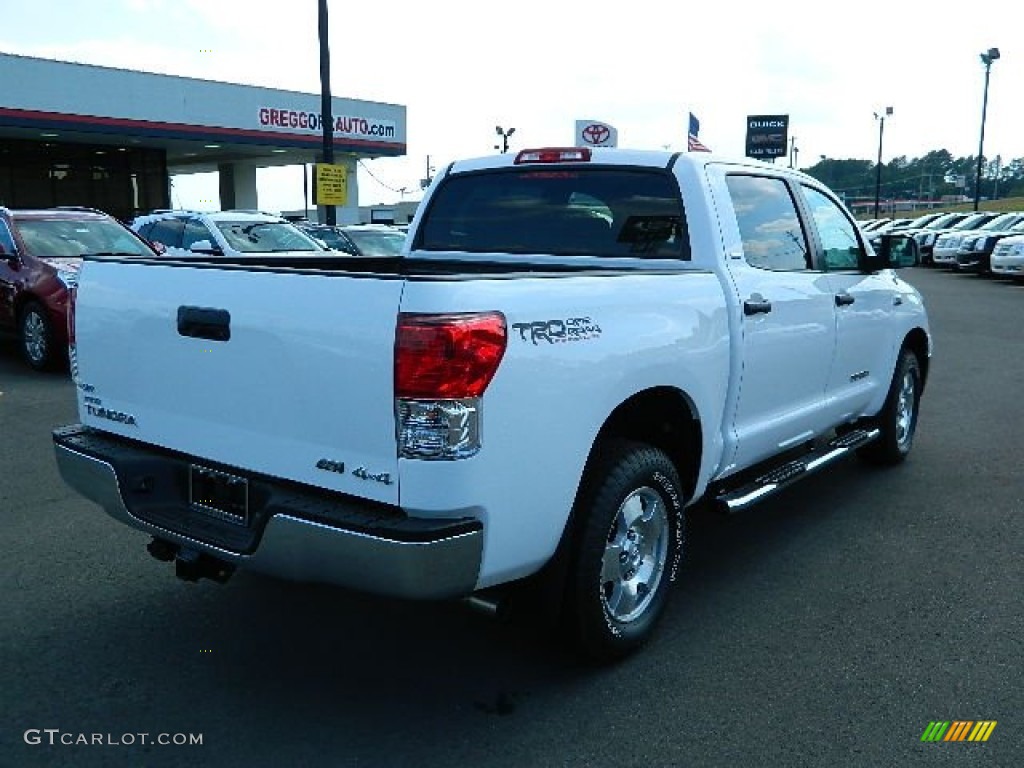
(326,115)
(425,181)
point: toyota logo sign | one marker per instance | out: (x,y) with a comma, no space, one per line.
(593,133)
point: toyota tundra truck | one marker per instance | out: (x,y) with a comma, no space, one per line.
(574,346)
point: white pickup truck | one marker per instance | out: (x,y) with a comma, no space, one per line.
(574,346)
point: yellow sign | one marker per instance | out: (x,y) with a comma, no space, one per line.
(331,187)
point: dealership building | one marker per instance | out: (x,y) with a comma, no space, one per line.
(77,134)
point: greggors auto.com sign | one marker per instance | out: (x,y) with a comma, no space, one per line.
(349,125)
(767,136)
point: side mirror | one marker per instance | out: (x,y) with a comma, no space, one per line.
(157,246)
(899,250)
(892,251)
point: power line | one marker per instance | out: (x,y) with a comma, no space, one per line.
(374,177)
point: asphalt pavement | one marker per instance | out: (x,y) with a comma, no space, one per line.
(826,627)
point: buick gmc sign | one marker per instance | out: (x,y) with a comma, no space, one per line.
(767,135)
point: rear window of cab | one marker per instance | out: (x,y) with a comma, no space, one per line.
(612,212)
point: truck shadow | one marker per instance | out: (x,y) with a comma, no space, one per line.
(263,667)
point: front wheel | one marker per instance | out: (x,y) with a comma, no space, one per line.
(36,336)
(898,417)
(630,535)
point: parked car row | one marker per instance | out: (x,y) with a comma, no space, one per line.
(984,242)
(982,229)
(981,242)
(41,252)
(241,233)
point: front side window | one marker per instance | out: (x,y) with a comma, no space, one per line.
(840,246)
(559,211)
(168,232)
(768,223)
(195,231)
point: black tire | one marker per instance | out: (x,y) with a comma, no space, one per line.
(630,530)
(898,417)
(35,337)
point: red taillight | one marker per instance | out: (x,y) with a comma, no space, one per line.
(447,356)
(553,155)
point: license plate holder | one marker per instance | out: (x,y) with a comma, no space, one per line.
(219,494)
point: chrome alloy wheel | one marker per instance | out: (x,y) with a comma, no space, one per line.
(634,558)
(33,330)
(905,405)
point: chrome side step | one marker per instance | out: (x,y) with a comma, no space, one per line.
(777,478)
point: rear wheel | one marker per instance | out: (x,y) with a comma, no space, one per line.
(898,418)
(36,336)
(629,546)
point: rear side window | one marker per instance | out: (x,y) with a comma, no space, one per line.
(768,222)
(561,212)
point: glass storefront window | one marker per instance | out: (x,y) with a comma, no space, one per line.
(122,181)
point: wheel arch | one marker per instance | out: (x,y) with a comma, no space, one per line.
(665,418)
(917,341)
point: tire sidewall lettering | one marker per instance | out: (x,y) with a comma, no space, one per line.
(670,490)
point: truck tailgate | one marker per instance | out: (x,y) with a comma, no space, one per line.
(279,372)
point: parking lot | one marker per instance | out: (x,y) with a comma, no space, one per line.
(828,626)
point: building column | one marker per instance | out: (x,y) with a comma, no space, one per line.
(237,186)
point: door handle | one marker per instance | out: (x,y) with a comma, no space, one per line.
(844,299)
(204,323)
(756,307)
(897,301)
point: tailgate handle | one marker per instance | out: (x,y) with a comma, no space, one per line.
(204,323)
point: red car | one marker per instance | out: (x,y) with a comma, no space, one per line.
(40,254)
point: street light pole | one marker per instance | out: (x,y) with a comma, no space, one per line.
(504,138)
(986,58)
(878,166)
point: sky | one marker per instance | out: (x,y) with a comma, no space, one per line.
(462,67)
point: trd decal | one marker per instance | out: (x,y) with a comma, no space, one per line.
(558,331)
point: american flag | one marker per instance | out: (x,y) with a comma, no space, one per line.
(693,143)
